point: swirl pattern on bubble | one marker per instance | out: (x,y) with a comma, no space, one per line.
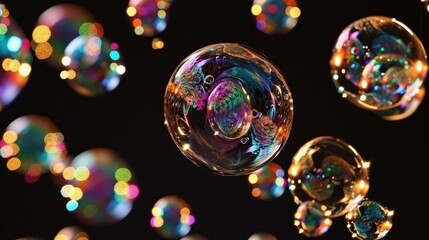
(228,109)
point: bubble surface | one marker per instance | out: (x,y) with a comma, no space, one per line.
(268,182)
(194,237)
(275,16)
(228,109)
(262,236)
(310,219)
(331,172)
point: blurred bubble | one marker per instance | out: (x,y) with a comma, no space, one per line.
(228,109)
(157,44)
(93,65)
(71,233)
(369,220)
(331,172)
(425,5)
(32,145)
(15,56)
(57,26)
(379,64)
(275,16)
(268,182)
(100,186)
(311,219)
(149,17)
(172,217)
(194,237)
(262,236)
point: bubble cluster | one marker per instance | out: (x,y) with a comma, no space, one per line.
(268,182)
(172,217)
(228,109)
(310,219)
(331,172)
(380,65)
(15,57)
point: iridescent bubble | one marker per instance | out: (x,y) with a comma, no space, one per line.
(228,109)
(369,220)
(32,145)
(100,186)
(275,16)
(71,233)
(379,64)
(15,56)
(194,237)
(172,217)
(268,182)
(93,65)
(262,236)
(330,171)
(149,17)
(311,219)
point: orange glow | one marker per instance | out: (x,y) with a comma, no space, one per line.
(13,164)
(5,64)
(253,178)
(256,192)
(137,22)
(25,69)
(256,9)
(131,11)
(157,212)
(10,137)
(41,34)
(158,222)
(185,211)
(43,50)
(68,173)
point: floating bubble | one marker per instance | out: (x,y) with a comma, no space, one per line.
(32,145)
(172,217)
(194,237)
(93,65)
(275,16)
(311,219)
(228,109)
(149,17)
(71,233)
(369,220)
(331,172)
(268,182)
(100,186)
(15,56)
(379,64)
(262,236)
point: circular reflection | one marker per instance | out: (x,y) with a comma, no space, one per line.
(100,186)
(15,57)
(262,236)
(330,171)
(311,220)
(93,65)
(268,182)
(149,17)
(194,237)
(32,145)
(275,16)
(71,233)
(228,109)
(172,217)
(369,220)
(378,64)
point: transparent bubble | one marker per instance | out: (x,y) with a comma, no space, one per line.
(262,236)
(228,109)
(93,65)
(275,16)
(149,17)
(369,220)
(32,145)
(100,187)
(331,172)
(194,237)
(172,217)
(379,64)
(71,233)
(15,56)
(311,220)
(268,182)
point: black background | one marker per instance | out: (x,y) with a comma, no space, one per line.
(130,119)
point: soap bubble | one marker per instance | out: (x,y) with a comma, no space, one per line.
(310,219)
(194,237)
(172,217)
(262,236)
(15,57)
(369,220)
(228,109)
(268,182)
(275,16)
(379,64)
(32,145)
(100,186)
(71,233)
(330,171)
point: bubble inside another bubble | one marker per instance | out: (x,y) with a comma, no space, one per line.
(228,109)
(310,219)
(268,182)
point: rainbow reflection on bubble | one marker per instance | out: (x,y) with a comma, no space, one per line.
(262,236)
(379,64)
(71,233)
(369,220)
(15,56)
(93,65)
(310,219)
(101,188)
(172,217)
(275,16)
(32,145)
(228,109)
(331,172)
(149,17)
(268,182)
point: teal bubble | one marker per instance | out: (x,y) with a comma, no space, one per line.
(268,182)
(311,219)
